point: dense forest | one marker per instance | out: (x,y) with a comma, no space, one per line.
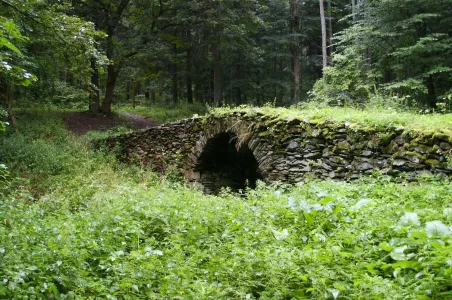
(226,52)
(289,149)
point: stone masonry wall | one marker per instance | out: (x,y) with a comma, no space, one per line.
(291,150)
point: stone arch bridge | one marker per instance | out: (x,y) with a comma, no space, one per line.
(238,148)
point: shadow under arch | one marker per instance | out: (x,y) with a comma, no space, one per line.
(224,163)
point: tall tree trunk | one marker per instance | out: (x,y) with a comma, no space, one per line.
(112,75)
(134,92)
(238,95)
(139,90)
(127,91)
(431,92)
(94,89)
(238,91)
(189,79)
(199,83)
(259,92)
(153,96)
(198,94)
(295,49)
(210,90)
(323,26)
(217,76)
(174,89)
(330,27)
(146,90)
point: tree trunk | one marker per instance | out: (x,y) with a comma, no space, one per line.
(431,92)
(238,95)
(174,89)
(127,91)
(146,90)
(237,98)
(323,26)
(330,27)
(295,49)
(189,78)
(134,91)
(94,88)
(217,76)
(112,75)
(174,77)
(259,92)
(139,90)
(199,95)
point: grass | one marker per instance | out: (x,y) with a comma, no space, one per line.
(162,113)
(76,224)
(366,116)
(378,117)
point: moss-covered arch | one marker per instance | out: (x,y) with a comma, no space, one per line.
(226,155)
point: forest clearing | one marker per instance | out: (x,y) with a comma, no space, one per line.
(253,149)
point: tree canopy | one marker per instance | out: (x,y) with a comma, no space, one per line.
(96,53)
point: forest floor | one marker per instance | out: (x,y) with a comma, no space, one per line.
(81,122)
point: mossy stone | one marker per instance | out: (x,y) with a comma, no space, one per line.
(433,162)
(385,138)
(264,133)
(443,137)
(415,154)
(316,121)
(343,145)
(391,148)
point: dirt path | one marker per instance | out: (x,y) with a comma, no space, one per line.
(82,122)
(138,120)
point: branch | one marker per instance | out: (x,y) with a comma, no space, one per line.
(117,17)
(154,20)
(22,12)
(35,20)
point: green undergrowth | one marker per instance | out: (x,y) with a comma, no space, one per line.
(76,224)
(161,113)
(375,117)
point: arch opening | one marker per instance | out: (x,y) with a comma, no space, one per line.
(222,165)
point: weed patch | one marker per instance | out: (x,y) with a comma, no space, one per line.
(99,229)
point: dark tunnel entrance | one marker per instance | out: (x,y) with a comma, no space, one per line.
(222,165)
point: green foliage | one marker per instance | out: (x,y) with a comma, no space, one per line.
(3,169)
(44,39)
(378,115)
(41,150)
(3,123)
(98,135)
(401,47)
(98,229)
(69,96)
(10,68)
(10,30)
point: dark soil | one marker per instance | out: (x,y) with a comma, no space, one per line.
(82,122)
